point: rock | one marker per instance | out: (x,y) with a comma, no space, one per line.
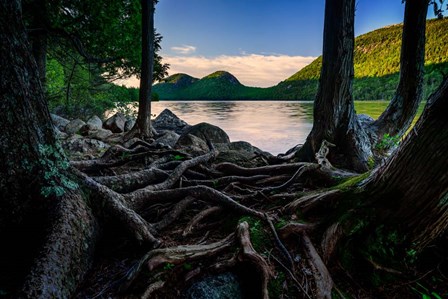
(100,134)
(95,122)
(192,144)
(115,123)
(241,153)
(74,126)
(168,121)
(169,138)
(222,286)
(59,134)
(78,146)
(129,124)
(59,122)
(207,131)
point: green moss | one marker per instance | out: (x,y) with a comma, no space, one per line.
(352,182)
(275,285)
(258,235)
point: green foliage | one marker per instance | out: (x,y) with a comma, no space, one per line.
(258,235)
(426,293)
(387,142)
(187,266)
(275,285)
(79,92)
(168,266)
(54,164)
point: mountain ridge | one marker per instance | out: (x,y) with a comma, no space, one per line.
(376,63)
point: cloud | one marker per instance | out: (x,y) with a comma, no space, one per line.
(184,49)
(250,69)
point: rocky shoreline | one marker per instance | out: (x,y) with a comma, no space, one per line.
(92,138)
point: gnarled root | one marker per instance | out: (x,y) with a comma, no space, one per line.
(248,253)
(322,278)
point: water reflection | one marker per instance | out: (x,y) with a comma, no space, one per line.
(272,126)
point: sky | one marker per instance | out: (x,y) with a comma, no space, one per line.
(261,42)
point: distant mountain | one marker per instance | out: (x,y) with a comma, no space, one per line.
(376,62)
(219,85)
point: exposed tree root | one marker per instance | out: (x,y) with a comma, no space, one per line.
(322,278)
(249,253)
(132,181)
(232,169)
(313,201)
(177,255)
(200,216)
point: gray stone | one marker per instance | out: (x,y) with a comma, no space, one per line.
(206,131)
(169,138)
(95,122)
(59,122)
(115,123)
(59,134)
(100,134)
(74,126)
(222,286)
(129,124)
(78,146)
(168,121)
(192,144)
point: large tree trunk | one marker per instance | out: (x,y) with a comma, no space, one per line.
(411,190)
(398,116)
(334,115)
(37,30)
(32,164)
(143,123)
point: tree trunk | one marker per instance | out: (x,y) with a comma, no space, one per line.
(32,165)
(411,190)
(334,115)
(38,34)
(398,116)
(143,123)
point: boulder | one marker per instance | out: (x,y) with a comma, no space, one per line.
(74,126)
(192,144)
(168,121)
(225,285)
(79,147)
(206,131)
(95,122)
(59,122)
(100,134)
(241,153)
(129,124)
(169,139)
(115,123)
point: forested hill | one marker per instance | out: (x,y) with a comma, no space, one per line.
(377,61)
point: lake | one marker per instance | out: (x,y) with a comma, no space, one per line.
(272,126)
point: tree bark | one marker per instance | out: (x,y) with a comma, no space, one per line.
(398,116)
(143,123)
(334,115)
(30,159)
(38,34)
(410,190)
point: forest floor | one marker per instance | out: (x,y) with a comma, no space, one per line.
(214,209)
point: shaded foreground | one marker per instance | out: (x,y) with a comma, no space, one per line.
(187,207)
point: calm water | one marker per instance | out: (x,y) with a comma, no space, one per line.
(271,126)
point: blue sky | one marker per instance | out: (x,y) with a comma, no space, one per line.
(260,41)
